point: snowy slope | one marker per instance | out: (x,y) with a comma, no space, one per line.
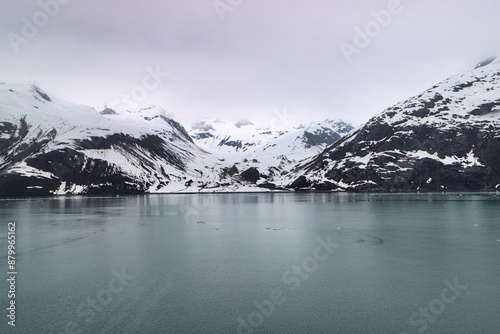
(448,137)
(51,146)
(270,152)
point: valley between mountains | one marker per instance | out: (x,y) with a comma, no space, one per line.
(445,139)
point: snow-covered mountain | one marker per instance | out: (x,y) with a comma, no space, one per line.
(447,138)
(51,146)
(263,154)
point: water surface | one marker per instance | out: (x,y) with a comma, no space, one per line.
(218,263)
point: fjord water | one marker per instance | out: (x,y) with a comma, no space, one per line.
(256,263)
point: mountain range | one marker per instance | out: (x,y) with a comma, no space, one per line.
(49,146)
(264,154)
(446,138)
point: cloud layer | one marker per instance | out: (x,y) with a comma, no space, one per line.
(246,59)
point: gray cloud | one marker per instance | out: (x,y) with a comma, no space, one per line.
(264,55)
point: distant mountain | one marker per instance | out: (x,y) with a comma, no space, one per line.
(263,154)
(49,146)
(447,138)
(485,62)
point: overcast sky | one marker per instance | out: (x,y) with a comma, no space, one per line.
(249,59)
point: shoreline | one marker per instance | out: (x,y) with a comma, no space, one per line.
(292,192)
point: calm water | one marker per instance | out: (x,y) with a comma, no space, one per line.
(255,263)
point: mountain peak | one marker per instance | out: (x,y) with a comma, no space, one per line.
(243,122)
(41,93)
(108,111)
(485,62)
(445,138)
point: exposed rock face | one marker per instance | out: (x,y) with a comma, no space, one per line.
(447,138)
(251,175)
(326,134)
(270,150)
(49,146)
(485,62)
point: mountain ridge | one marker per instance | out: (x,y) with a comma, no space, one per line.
(446,138)
(49,146)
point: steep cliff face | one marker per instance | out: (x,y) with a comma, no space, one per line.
(447,138)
